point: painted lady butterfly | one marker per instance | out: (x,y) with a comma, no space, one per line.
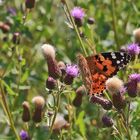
(97,69)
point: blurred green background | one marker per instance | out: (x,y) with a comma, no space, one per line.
(115,21)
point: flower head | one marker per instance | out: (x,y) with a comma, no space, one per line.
(50,83)
(24,135)
(72,70)
(59,123)
(79,94)
(90,21)
(136,34)
(49,54)
(107,121)
(77,13)
(30,4)
(114,85)
(62,67)
(26,111)
(133,49)
(123,90)
(48,51)
(39,103)
(106,104)
(134,77)
(132,84)
(118,101)
(16,38)
(11,11)
(4,27)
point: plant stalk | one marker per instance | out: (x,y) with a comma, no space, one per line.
(76,30)
(7,111)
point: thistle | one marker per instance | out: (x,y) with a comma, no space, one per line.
(39,103)
(49,54)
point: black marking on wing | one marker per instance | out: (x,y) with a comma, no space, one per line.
(119,59)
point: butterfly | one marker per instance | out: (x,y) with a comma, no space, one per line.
(96,69)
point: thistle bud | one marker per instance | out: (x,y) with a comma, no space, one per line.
(50,114)
(132,84)
(136,34)
(62,67)
(118,101)
(106,104)
(108,122)
(79,94)
(50,83)
(138,88)
(30,4)
(59,123)
(132,88)
(82,35)
(4,27)
(39,103)
(16,38)
(72,71)
(26,111)
(90,21)
(114,85)
(49,54)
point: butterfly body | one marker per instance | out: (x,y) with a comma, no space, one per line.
(100,67)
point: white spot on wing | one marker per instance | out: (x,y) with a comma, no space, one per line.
(112,54)
(122,54)
(114,57)
(118,62)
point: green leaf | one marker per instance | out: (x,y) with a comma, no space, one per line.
(23,62)
(80,123)
(9,89)
(25,76)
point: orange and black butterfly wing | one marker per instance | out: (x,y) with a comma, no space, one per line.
(98,83)
(103,66)
(108,63)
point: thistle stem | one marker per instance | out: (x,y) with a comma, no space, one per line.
(114,23)
(7,111)
(76,30)
(125,125)
(56,108)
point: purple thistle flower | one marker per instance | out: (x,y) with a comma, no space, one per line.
(132,84)
(123,90)
(11,11)
(24,135)
(78,13)
(72,71)
(134,77)
(133,49)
